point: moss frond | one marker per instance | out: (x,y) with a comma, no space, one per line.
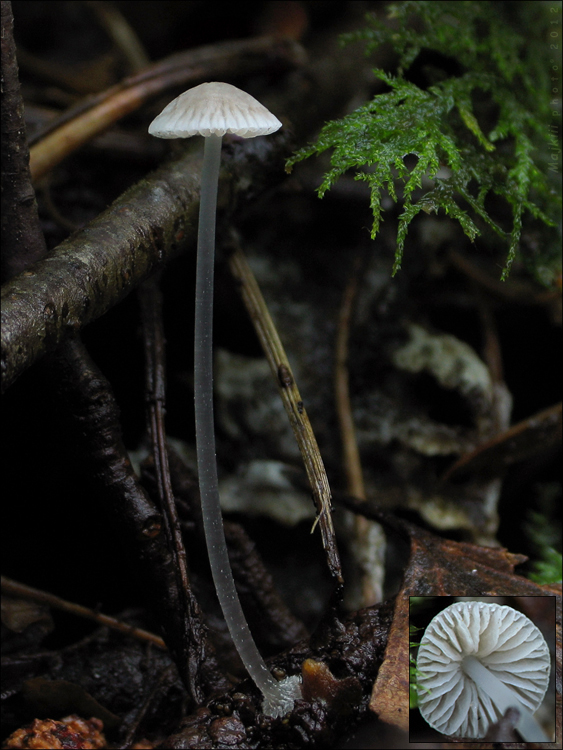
(501,78)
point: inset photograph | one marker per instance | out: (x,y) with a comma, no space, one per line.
(480,669)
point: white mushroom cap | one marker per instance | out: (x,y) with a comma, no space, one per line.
(214,109)
(504,641)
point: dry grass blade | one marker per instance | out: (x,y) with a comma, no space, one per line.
(279,365)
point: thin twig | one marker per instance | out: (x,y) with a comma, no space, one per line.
(351,454)
(534,435)
(150,299)
(87,397)
(279,365)
(123,35)
(75,128)
(369,542)
(14,588)
(71,135)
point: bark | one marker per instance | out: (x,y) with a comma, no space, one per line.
(97,267)
(22,238)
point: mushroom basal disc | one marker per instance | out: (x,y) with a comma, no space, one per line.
(503,640)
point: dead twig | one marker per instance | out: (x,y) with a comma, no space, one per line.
(369,542)
(97,267)
(350,452)
(80,124)
(300,424)
(21,590)
(536,434)
(195,635)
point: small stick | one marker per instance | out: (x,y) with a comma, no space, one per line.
(14,588)
(351,454)
(371,585)
(74,129)
(279,365)
(194,635)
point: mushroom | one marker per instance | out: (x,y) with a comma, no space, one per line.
(211,110)
(475,661)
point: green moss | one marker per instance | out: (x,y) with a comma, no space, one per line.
(415,603)
(429,140)
(548,569)
(544,532)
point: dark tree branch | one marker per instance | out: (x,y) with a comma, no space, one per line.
(93,270)
(97,267)
(22,238)
(87,396)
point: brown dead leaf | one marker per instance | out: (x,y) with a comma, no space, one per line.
(390,695)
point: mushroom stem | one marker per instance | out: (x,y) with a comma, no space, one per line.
(504,698)
(278,697)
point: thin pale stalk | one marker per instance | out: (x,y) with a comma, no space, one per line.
(205,432)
